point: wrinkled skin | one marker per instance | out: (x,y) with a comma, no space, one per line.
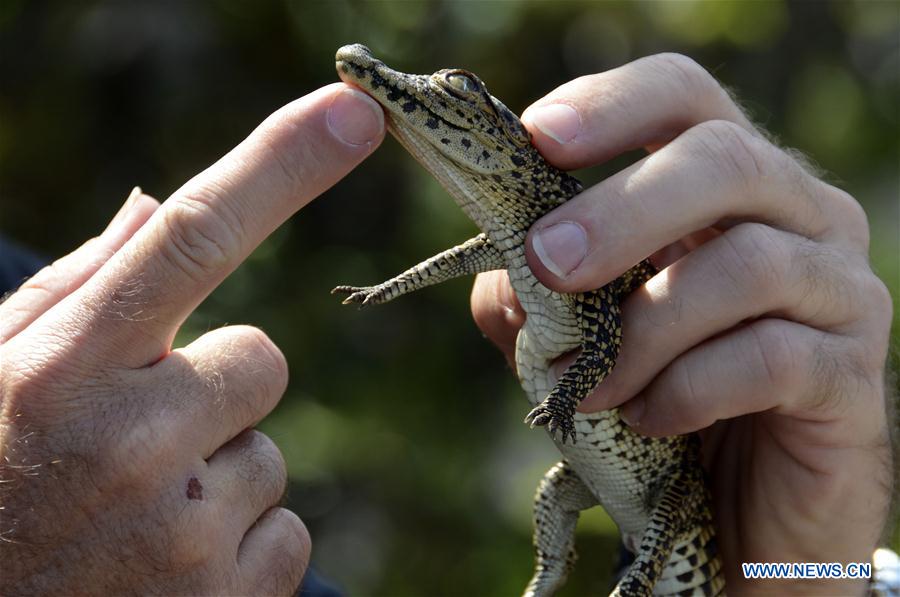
(765,330)
(130,467)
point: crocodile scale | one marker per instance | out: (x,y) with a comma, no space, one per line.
(653,488)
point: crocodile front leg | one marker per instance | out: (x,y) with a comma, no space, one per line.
(560,497)
(598,315)
(474,256)
(601,335)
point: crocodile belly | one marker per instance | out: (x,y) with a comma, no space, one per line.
(607,463)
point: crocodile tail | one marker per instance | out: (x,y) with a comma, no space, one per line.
(656,544)
(677,554)
(694,568)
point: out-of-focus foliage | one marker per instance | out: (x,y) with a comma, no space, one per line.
(401,426)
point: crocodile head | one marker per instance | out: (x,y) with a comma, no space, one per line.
(450,110)
(468,139)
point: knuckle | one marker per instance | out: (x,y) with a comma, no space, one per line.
(254,345)
(684,385)
(794,179)
(878,313)
(203,233)
(778,356)
(57,277)
(757,259)
(239,373)
(829,282)
(836,372)
(45,281)
(690,74)
(687,379)
(289,545)
(294,539)
(298,543)
(851,217)
(262,464)
(732,151)
(880,296)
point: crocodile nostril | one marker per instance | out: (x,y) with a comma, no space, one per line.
(351,51)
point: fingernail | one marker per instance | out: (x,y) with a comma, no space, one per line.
(126,207)
(560,122)
(561,247)
(632,411)
(355,118)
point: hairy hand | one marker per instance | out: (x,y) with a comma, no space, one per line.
(765,328)
(129,467)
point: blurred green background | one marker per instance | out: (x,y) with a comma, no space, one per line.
(401,426)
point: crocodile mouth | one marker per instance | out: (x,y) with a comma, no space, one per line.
(354,63)
(411,99)
(400,95)
(393,89)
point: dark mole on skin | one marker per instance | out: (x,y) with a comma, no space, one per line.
(194,489)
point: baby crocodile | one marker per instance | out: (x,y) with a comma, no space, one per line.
(654,489)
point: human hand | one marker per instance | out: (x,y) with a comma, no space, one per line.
(765,329)
(129,467)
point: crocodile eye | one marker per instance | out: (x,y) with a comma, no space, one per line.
(461,83)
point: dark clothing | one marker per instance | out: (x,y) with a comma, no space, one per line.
(315,586)
(16,265)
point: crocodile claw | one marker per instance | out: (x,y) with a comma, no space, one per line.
(551,413)
(538,417)
(348,289)
(360,295)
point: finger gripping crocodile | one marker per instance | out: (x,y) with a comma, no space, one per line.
(653,488)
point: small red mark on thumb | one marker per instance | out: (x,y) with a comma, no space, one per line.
(194,489)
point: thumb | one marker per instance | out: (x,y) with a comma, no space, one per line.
(65,275)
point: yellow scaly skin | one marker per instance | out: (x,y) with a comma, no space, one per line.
(653,488)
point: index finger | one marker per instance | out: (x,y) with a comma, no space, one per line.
(644,103)
(718,171)
(137,301)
